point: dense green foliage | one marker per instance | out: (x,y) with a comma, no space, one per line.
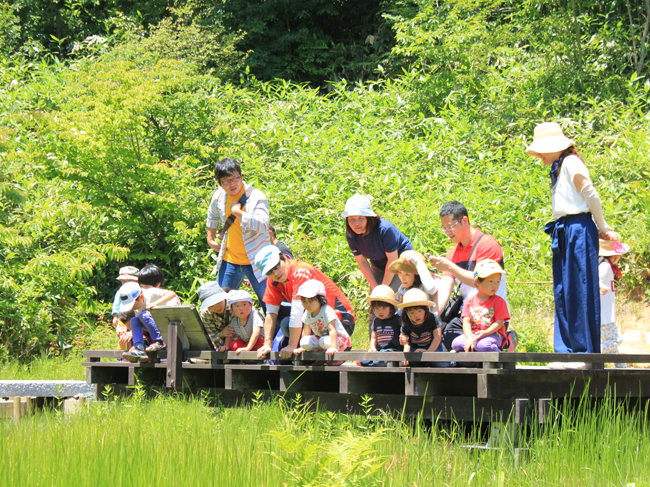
(173,440)
(107,159)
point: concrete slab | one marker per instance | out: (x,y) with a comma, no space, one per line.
(47,388)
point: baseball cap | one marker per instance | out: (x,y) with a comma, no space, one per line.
(311,288)
(129,292)
(358,205)
(128,273)
(267,258)
(486,268)
(211,293)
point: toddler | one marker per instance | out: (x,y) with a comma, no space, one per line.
(132,298)
(215,314)
(246,322)
(385,326)
(322,328)
(420,326)
(610,252)
(484,313)
(127,274)
(412,271)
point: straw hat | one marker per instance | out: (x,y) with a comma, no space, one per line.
(611,247)
(398,265)
(415,297)
(548,137)
(383,293)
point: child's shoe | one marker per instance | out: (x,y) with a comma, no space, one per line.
(136,355)
(155,347)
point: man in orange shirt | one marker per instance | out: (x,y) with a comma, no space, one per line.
(457,267)
(285,276)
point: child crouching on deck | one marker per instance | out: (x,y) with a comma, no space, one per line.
(247,323)
(484,314)
(422,328)
(322,329)
(132,298)
(385,328)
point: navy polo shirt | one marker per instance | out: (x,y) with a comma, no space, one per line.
(383,239)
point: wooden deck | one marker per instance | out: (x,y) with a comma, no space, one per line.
(481,387)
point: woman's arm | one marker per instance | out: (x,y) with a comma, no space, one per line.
(589,193)
(366,271)
(388,276)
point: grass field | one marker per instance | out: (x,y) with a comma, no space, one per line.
(175,440)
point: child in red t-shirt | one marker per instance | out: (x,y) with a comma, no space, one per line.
(484,313)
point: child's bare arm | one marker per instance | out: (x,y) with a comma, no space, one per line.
(407,349)
(373,342)
(168,296)
(437,338)
(251,343)
(306,331)
(334,339)
(226,344)
(491,330)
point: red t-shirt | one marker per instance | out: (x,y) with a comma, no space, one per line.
(300,272)
(488,248)
(482,315)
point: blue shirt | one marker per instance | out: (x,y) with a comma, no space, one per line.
(384,238)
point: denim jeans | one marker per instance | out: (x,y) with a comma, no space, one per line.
(232,275)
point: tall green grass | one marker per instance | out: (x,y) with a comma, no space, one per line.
(180,441)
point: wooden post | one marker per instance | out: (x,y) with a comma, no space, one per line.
(17,410)
(29,405)
(174,356)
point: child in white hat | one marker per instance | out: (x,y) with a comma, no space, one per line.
(246,321)
(610,254)
(322,328)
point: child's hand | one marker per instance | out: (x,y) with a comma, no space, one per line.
(403,339)
(242,349)
(420,350)
(149,308)
(604,290)
(298,350)
(116,321)
(125,337)
(406,260)
(372,349)
(405,363)
(331,351)
(224,348)
(469,344)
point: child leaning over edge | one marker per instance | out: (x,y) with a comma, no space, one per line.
(246,322)
(151,280)
(610,254)
(412,270)
(215,314)
(132,298)
(386,325)
(484,314)
(322,328)
(422,328)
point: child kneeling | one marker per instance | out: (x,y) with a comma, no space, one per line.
(247,323)
(132,298)
(322,329)
(385,329)
(484,313)
(421,329)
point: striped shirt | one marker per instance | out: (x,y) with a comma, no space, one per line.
(254,223)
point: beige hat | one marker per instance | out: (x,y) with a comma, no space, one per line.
(128,273)
(383,293)
(548,137)
(415,297)
(398,265)
(611,247)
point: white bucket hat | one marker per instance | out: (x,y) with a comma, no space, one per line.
(238,296)
(548,137)
(358,205)
(210,294)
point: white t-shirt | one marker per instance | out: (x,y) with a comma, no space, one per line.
(566,199)
(318,323)
(607,300)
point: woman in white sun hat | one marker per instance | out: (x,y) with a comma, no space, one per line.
(374,241)
(577,223)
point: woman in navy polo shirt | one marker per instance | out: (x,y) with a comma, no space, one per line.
(374,241)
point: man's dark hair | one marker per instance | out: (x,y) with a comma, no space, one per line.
(226,167)
(272,230)
(151,275)
(455,209)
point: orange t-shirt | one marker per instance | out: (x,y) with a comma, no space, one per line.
(235,252)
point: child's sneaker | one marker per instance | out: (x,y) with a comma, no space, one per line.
(136,356)
(155,347)
(512,340)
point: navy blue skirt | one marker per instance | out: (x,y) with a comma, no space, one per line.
(575,284)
